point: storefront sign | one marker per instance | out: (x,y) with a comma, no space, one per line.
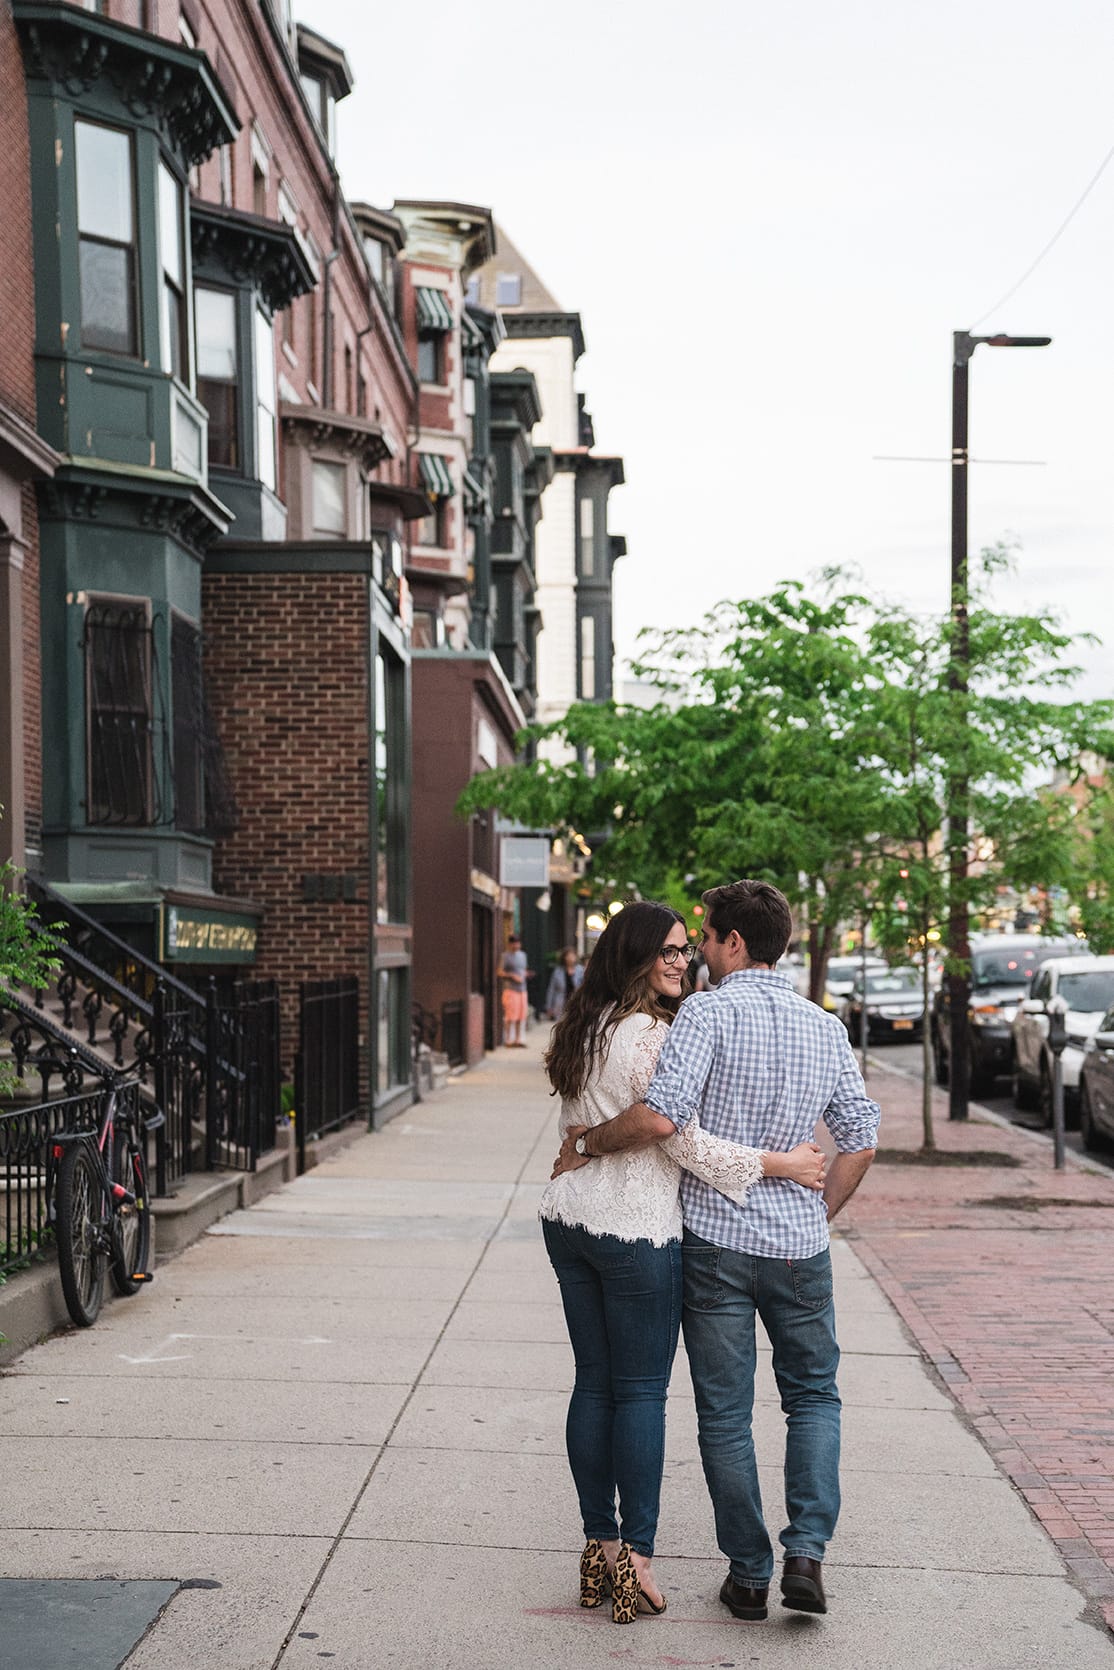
(524,861)
(192,935)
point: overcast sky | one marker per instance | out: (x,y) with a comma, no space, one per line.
(771,219)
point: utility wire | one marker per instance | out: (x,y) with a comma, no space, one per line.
(1055,238)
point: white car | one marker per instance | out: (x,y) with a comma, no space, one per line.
(1087,986)
(841,974)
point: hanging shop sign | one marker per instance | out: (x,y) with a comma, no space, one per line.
(524,861)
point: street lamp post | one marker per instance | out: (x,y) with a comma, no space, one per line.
(959,665)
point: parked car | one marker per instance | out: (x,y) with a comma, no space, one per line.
(894,1004)
(1096,1087)
(1002,966)
(1086,985)
(841,977)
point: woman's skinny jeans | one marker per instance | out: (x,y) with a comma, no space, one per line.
(622,1304)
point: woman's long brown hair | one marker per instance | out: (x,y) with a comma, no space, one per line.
(616,984)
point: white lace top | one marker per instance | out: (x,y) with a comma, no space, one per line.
(635,1195)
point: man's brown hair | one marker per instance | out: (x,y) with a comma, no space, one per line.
(757,911)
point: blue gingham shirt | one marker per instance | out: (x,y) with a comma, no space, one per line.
(760,1065)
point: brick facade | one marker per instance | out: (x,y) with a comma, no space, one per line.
(286,664)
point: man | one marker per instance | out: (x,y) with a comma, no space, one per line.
(514,974)
(760,1065)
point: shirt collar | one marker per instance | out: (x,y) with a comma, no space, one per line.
(773,975)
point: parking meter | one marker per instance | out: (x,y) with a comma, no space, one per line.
(1057,1040)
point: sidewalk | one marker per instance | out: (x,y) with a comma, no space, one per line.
(339,1417)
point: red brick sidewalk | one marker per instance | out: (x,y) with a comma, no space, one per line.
(1012,1303)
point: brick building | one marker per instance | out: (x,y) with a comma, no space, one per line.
(24,459)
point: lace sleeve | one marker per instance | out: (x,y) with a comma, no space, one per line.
(727,1166)
(647,1048)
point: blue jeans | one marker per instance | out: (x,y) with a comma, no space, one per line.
(622,1304)
(723,1292)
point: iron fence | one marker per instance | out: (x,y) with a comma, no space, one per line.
(244,1089)
(327,1071)
(27,1169)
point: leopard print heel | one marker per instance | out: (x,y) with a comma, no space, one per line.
(593,1573)
(624,1589)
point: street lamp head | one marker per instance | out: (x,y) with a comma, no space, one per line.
(1002,341)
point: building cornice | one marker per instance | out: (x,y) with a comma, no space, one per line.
(249,249)
(23,451)
(582,459)
(355,437)
(148,501)
(72,50)
(546,324)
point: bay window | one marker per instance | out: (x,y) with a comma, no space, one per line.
(106,238)
(217,373)
(175,353)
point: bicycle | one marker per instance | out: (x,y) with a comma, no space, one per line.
(102,1207)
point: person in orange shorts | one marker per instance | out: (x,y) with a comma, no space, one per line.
(514,975)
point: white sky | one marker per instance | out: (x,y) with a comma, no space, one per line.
(771,218)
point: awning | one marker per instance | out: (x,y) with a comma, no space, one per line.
(476,499)
(434,471)
(434,312)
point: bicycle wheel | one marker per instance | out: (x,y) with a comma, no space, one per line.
(131,1226)
(81,1225)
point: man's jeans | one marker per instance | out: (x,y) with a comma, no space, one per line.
(622,1304)
(723,1291)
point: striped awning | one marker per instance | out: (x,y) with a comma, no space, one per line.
(434,471)
(434,312)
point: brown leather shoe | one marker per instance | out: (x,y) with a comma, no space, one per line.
(742,1600)
(801,1587)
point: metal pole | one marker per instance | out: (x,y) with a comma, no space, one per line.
(1057,1040)
(958,788)
(864,1024)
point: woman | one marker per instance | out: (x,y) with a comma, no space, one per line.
(613,1233)
(567,975)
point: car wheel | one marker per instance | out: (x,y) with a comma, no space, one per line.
(1025,1095)
(1093,1139)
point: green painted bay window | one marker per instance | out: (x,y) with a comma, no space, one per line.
(106,238)
(175,349)
(218,373)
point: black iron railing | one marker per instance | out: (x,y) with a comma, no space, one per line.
(244,1086)
(27,1169)
(327,1072)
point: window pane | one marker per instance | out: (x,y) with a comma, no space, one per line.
(107,306)
(373,249)
(588,658)
(215,317)
(429,359)
(329,482)
(170,224)
(508,290)
(265,400)
(104,182)
(118,696)
(220,401)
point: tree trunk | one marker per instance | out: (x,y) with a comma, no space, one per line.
(927,1074)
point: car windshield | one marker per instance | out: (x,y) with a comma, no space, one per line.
(846,968)
(1088,991)
(894,980)
(1011,966)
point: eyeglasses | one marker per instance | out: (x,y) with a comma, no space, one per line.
(670,953)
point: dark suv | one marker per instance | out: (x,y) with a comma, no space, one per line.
(1001,968)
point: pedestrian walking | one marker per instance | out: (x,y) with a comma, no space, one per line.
(613,1233)
(758,1064)
(567,974)
(513,975)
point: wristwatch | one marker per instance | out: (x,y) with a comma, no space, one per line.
(581,1146)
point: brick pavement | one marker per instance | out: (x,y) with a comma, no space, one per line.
(1012,1305)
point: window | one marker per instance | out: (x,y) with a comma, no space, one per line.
(587,658)
(431,528)
(118,707)
(373,249)
(320,101)
(175,355)
(189,726)
(106,238)
(260,170)
(508,290)
(217,376)
(427,630)
(430,358)
(390,813)
(587,536)
(225,159)
(185,32)
(265,400)
(329,489)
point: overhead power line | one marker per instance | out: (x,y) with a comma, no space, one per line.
(1052,242)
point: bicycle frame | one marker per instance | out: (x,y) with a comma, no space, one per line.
(101,1145)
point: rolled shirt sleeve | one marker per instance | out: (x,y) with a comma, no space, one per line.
(677,1087)
(851,1116)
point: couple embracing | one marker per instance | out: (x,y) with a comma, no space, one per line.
(688,1187)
